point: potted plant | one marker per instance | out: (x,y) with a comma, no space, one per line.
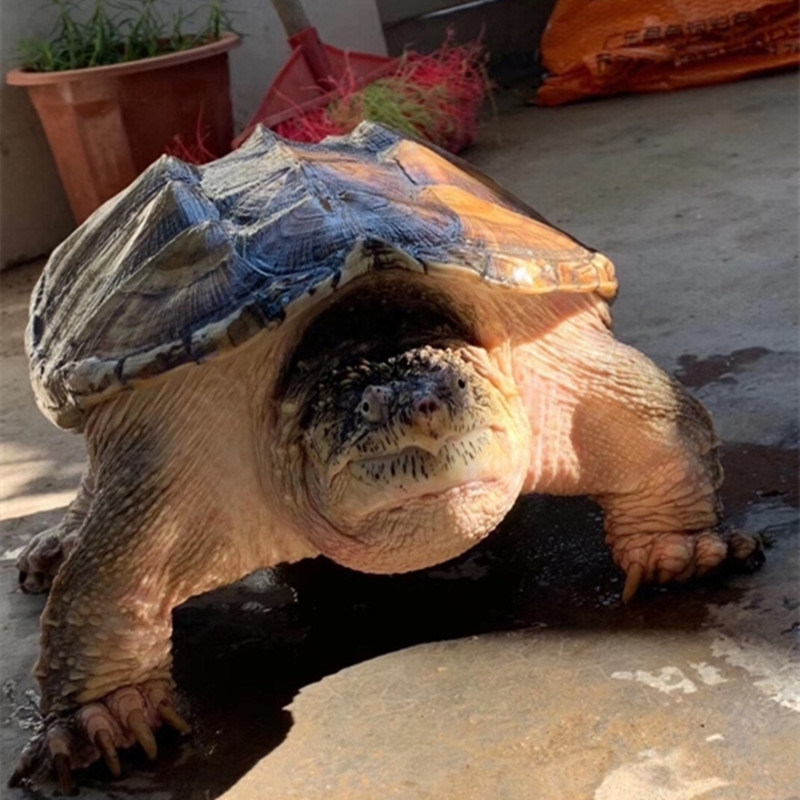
(116,91)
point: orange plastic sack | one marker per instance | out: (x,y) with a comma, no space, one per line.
(601,47)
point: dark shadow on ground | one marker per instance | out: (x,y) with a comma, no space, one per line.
(243,653)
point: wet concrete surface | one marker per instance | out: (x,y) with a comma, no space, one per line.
(514,672)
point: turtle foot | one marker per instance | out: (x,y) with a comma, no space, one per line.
(123,718)
(680,556)
(41,559)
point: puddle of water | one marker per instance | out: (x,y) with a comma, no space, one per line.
(757,472)
(695,372)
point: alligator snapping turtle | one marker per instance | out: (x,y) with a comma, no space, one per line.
(363,349)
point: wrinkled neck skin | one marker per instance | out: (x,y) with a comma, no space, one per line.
(402,445)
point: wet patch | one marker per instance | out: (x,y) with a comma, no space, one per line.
(755,473)
(751,393)
(673,680)
(696,372)
(668,680)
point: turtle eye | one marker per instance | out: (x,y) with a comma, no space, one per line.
(372,406)
(459,384)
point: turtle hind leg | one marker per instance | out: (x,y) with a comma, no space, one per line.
(43,556)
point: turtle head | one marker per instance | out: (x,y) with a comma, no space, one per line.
(409,460)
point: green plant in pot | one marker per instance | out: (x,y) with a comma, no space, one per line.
(114,90)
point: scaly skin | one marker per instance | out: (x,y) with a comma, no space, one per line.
(206,475)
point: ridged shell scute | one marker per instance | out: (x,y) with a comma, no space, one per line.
(189,261)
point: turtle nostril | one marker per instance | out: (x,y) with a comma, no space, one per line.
(428,406)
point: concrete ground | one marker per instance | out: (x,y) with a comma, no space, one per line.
(514,672)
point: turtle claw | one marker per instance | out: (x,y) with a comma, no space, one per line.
(633,580)
(746,552)
(104,742)
(22,771)
(63,768)
(30,762)
(99,729)
(42,558)
(47,749)
(678,557)
(172,718)
(139,727)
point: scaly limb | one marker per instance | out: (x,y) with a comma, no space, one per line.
(146,544)
(663,520)
(609,423)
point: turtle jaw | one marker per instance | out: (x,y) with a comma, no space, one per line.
(422,471)
(403,526)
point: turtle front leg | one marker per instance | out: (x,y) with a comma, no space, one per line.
(662,508)
(118,720)
(146,544)
(666,527)
(663,526)
(609,423)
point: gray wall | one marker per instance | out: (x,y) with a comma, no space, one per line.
(34,214)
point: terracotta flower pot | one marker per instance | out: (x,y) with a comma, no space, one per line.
(107,124)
